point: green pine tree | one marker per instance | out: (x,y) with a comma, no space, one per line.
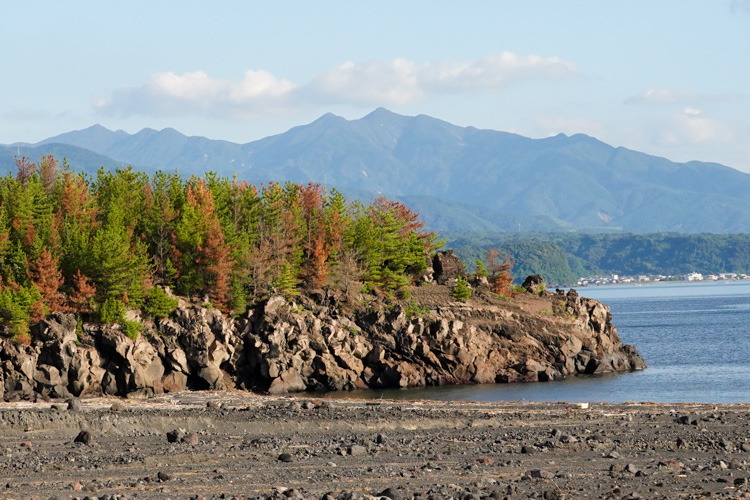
(461,291)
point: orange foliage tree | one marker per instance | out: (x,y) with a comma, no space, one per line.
(46,276)
(499,273)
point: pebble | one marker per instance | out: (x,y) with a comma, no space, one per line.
(213,405)
(175,436)
(84,437)
(286,457)
(726,444)
(541,474)
(164,476)
(392,493)
(191,438)
(357,450)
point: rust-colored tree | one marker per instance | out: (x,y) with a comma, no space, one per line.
(315,247)
(76,202)
(203,257)
(318,266)
(82,294)
(47,170)
(214,255)
(46,276)
(25,168)
(501,281)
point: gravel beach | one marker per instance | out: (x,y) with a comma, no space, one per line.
(240,445)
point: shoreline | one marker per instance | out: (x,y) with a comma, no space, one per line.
(243,445)
(649,283)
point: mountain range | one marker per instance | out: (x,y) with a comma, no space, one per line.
(459,178)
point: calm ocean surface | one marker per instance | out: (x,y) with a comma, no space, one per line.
(695,338)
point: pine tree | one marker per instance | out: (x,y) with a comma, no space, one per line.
(161,198)
(48,172)
(46,276)
(117,263)
(481,269)
(205,263)
(286,281)
(24,169)
(215,258)
(461,291)
(499,273)
(337,224)
(82,295)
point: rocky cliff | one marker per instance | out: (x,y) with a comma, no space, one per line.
(317,343)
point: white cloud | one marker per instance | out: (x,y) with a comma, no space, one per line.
(197,93)
(691,128)
(374,83)
(493,72)
(664,96)
(654,95)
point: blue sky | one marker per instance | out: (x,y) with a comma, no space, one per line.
(670,78)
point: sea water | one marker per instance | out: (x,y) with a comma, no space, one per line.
(695,338)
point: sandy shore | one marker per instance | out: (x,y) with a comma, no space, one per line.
(239,445)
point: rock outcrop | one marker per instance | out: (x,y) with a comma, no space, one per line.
(316,344)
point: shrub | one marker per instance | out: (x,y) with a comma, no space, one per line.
(112,311)
(461,291)
(159,304)
(414,310)
(18,309)
(481,269)
(132,329)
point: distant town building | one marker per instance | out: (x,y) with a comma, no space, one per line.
(693,277)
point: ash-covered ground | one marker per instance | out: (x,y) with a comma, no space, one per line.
(239,445)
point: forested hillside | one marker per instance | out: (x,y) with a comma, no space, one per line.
(459,177)
(563,258)
(98,245)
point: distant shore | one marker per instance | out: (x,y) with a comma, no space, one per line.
(242,445)
(648,283)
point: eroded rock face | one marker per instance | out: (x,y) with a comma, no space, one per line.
(283,347)
(447,267)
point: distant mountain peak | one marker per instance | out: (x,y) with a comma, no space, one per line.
(380,113)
